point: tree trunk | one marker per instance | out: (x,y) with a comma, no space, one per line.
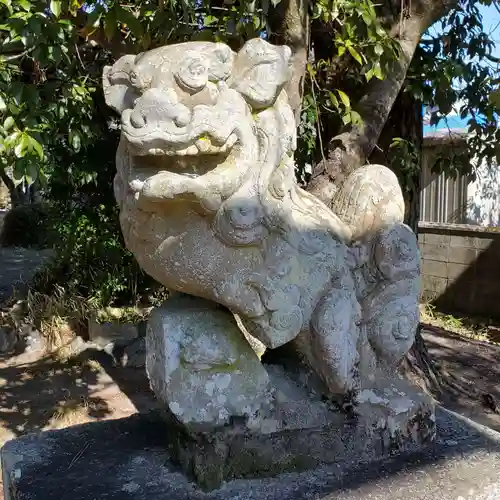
(18,196)
(290,26)
(405,122)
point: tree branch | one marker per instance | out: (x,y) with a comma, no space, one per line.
(350,149)
(7,180)
(18,56)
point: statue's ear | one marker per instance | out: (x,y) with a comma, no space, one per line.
(260,72)
(118,92)
(221,62)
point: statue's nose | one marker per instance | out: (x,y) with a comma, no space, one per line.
(159,106)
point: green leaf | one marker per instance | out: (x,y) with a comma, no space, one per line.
(55,7)
(377,71)
(209,20)
(356,118)
(37,147)
(346,119)
(75,140)
(8,4)
(32,174)
(21,146)
(110,24)
(355,54)
(333,99)
(16,91)
(344,98)
(24,4)
(8,123)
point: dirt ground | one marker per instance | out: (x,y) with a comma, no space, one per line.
(469,373)
(51,393)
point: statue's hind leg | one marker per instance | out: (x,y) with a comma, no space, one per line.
(334,335)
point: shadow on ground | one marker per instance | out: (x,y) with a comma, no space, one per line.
(126,459)
(52,393)
(85,389)
(469,373)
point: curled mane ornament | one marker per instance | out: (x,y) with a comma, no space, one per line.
(209,206)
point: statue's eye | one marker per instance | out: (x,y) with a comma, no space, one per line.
(193,73)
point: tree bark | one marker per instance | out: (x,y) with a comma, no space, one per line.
(406,122)
(290,26)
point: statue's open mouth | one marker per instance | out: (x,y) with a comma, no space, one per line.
(183,151)
(159,124)
(167,173)
(204,145)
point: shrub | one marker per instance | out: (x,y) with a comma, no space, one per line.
(29,226)
(91,260)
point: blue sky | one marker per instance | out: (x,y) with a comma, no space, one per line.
(491,23)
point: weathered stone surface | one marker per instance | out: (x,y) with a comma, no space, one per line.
(200,364)
(209,206)
(125,459)
(303,432)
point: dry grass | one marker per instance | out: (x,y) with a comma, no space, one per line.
(73,413)
(58,317)
(482,329)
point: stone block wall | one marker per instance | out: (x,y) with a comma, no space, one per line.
(461,268)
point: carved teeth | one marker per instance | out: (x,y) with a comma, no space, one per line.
(136,185)
(203,145)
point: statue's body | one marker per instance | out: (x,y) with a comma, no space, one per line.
(210,207)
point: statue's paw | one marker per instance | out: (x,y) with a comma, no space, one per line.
(201,366)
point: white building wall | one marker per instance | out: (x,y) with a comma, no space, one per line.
(483,197)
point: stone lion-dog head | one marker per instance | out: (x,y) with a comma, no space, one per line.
(213,128)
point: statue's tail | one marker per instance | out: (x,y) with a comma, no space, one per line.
(370,199)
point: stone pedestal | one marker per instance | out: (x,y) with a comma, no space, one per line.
(230,416)
(301,433)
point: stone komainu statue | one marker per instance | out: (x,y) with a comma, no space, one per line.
(209,206)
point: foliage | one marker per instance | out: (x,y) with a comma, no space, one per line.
(405,160)
(54,126)
(90,259)
(358,49)
(52,61)
(460,74)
